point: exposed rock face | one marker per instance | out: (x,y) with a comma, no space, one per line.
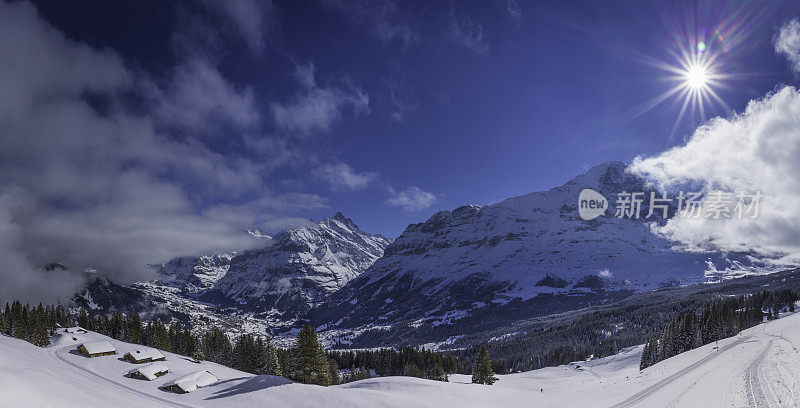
(195,274)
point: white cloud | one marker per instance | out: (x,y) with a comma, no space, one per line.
(108,187)
(411,199)
(462,30)
(252,18)
(756,150)
(341,176)
(381,17)
(316,108)
(198,95)
(401,99)
(787,43)
(283,223)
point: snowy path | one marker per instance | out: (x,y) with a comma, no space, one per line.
(649,391)
(759,368)
(55,353)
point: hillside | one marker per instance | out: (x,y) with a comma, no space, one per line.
(759,367)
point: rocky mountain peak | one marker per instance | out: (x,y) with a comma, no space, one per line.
(305,264)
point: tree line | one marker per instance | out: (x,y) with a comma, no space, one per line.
(718,319)
(407,361)
(34,324)
(307,362)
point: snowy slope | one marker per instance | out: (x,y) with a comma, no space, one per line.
(758,368)
(479,261)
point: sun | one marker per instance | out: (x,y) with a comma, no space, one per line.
(696,77)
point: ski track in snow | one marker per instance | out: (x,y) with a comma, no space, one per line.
(647,392)
(761,376)
(55,354)
(754,387)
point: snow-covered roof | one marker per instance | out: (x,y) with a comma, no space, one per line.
(97,347)
(75,329)
(149,371)
(150,353)
(192,381)
(155,353)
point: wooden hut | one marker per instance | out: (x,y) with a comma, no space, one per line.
(145,356)
(191,382)
(149,372)
(97,348)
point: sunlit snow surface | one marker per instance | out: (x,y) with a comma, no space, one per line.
(759,367)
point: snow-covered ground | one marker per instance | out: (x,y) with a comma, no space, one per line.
(759,367)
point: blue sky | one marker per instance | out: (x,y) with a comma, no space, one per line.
(472,102)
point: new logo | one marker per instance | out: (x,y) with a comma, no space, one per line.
(591,204)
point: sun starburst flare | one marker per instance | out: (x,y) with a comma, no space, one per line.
(700,59)
(696,77)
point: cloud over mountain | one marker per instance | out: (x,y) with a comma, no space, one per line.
(89,179)
(411,199)
(753,151)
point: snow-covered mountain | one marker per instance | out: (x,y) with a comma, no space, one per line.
(253,290)
(195,273)
(258,289)
(478,266)
(100,294)
(473,268)
(301,267)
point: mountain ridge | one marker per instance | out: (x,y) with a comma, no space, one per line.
(477,262)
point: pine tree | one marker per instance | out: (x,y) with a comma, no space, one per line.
(189,343)
(217,346)
(134,331)
(649,353)
(19,326)
(7,314)
(482,371)
(438,373)
(273,366)
(40,333)
(198,356)
(259,356)
(83,319)
(333,368)
(309,364)
(363,373)
(161,336)
(2,323)
(244,354)
(413,370)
